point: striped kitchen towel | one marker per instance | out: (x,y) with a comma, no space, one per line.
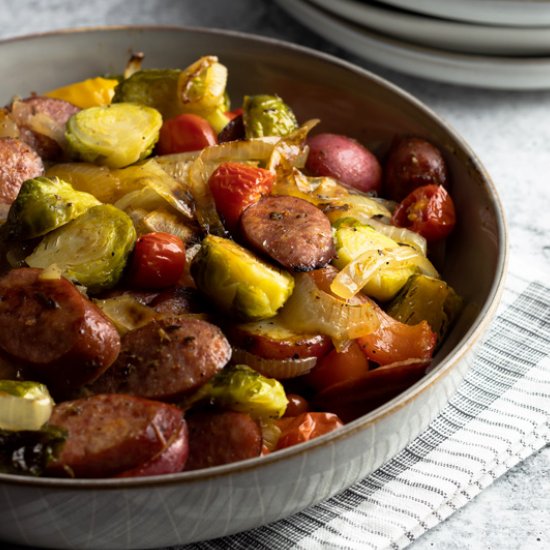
(499,415)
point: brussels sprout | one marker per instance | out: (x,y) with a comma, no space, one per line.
(43,204)
(113,135)
(267,115)
(429,299)
(353,240)
(239,282)
(28,452)
(91,250)
(24,405)
(157,88)
(240,388)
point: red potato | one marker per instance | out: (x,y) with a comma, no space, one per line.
(344,159)
(271,340)
(412,162)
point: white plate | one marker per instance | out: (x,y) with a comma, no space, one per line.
(442,33)
(496,12)
(513,73)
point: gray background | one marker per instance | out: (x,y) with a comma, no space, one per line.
(510,132)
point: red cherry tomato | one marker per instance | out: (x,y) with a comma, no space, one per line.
(428,210)
(235,186)
(158,261)
(234,113)
(183,133)
(306,426)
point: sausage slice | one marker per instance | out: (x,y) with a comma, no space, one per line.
(165,359)
(18,162)
(217,438)
(112,434)
(54,113)
(292,231)
(50,326)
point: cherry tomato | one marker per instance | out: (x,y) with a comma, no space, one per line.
(235,186)
(296,405)
(183,133)
(306,426)
(337,367)
(158,261)
(428,210)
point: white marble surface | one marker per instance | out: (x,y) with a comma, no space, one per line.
(510,131)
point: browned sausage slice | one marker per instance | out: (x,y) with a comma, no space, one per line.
(292,231)
(111,434)
(50,326)
(18,162)
(217,438)
(169,461)
(36,111)
(165,359)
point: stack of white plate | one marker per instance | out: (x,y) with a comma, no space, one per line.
(488,43)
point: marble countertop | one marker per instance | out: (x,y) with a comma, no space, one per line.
(509,131)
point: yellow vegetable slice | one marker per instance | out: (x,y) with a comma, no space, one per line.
(24,405)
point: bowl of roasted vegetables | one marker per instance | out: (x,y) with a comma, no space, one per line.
(237,276)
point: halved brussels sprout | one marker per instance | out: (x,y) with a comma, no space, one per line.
(157,88)
(353,241)
(427,299)
(28,452)
(114,135)
(91,250)
(43,204)
(267,115)
(239,282)
(240,388)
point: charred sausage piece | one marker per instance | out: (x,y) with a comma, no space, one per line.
(54,113)
(412,162)
(217,438)
(169,461)
(50,326)
(165,359)
(292,231)
(18,162)
(111,434)
(178,301)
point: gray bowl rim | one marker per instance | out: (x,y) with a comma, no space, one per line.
(462,348)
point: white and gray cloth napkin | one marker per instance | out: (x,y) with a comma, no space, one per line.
(499,416)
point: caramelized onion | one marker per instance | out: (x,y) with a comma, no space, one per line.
(311,310)
(274,368)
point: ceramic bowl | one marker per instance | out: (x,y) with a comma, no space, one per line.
(175,509)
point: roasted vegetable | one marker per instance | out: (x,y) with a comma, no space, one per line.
(43,204)
(91,250)
(426,298)
(114,135)
(267,115)
(356,240)
(155,88)
(240,388)
(24,405)
(198,89)
(91,92)
(28,452)
(239,282)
